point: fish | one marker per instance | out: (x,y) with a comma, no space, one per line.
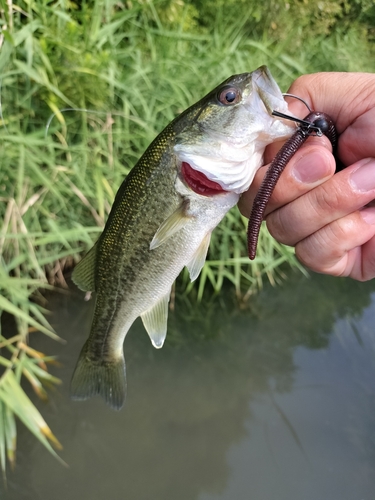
(162,218)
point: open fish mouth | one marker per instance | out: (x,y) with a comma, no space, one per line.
(268,91)
(227,162)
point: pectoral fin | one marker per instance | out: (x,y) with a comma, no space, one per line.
(198,260)
(84,273)
(170,226)
(155,321)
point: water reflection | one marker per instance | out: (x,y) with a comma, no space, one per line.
(273,402)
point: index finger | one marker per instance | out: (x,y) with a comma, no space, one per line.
(349,98)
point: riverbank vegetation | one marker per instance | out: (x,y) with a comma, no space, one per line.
(85,87)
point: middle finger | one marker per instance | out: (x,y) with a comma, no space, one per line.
(346,192)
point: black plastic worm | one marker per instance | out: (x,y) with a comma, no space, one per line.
(316,123)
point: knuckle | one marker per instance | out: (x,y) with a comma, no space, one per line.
(312,260)
(325,200)
(330,240)
(278,197)
(278,227)
(335,235)
(325,250)
(362,278)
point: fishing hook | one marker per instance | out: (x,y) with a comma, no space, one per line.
(286,94)
(315,123)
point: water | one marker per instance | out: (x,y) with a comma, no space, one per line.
(275,402)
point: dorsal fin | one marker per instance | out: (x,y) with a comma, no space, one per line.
(84,273)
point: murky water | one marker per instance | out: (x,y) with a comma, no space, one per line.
(270,403)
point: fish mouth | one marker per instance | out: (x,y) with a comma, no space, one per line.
(199,182)
(268,91)
(226,159)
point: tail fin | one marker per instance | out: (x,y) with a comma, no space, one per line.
(106,378)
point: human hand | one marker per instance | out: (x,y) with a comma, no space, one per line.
(324,215)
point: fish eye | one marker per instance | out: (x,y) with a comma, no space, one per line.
(229,95)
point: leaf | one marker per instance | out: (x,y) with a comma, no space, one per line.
(5,54)
(10,435)
(13,396)
(42,78)
(2,437)
(6,305)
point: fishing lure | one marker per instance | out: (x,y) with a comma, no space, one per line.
(315,123)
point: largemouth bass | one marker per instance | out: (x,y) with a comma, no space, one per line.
(163,216)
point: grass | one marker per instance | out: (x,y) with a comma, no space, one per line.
(84,89)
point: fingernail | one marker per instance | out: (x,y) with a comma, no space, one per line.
(311,168)
(368,215)
(363,179)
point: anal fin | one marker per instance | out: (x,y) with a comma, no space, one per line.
(198,260)
(155,321)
